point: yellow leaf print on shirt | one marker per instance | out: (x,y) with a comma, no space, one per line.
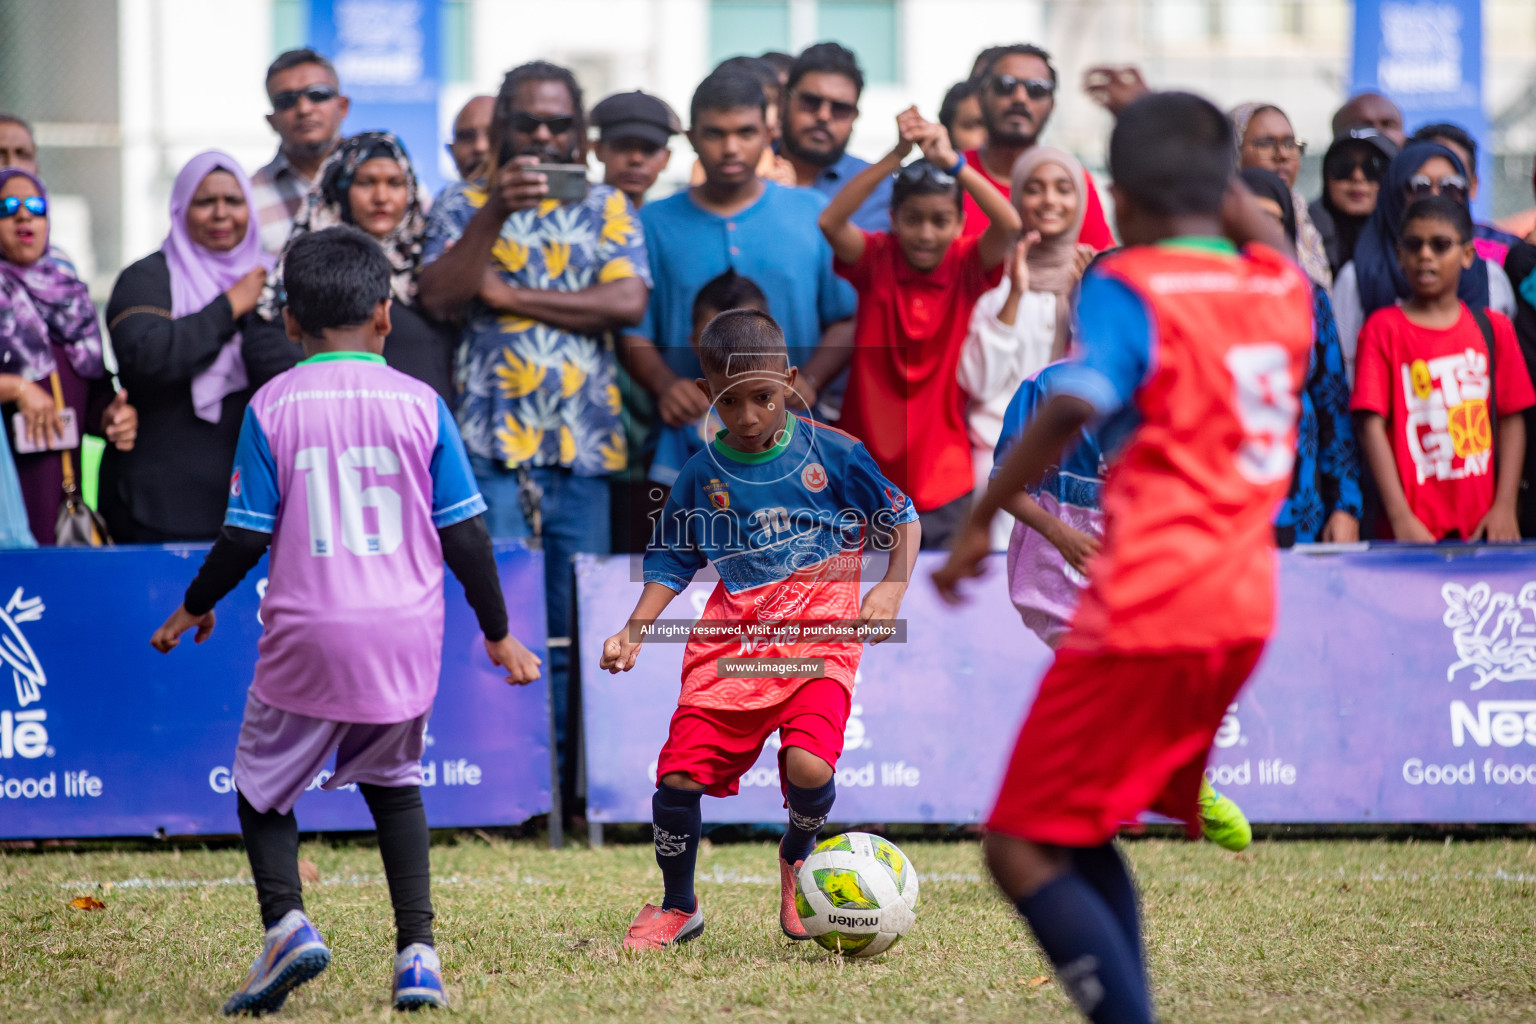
(518,443)
(475,196)
(616,269)
(567,446)
(614,401)
(557,256)
(513,256)
(516,377)
(618,223)
(548,207)
(572,377)
(615,452)
(508,323)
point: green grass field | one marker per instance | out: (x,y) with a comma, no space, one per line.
(1290,931)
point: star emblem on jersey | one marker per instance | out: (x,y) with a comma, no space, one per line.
(718,495)
(814,477)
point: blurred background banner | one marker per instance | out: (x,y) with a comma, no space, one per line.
(387,55)
(100,735)
(1428,56)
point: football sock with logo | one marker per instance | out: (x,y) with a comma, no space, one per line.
(676,825)
(1103,868)
(1094,963)
(272,844)
(808,810)
(404,846)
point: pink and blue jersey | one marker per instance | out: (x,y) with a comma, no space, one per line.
(785,529)
(353,468)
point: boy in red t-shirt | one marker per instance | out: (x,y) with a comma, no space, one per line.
(1422,386)
(917,286)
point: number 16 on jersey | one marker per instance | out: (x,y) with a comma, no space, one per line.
(354,500)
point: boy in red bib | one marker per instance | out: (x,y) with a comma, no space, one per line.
(1198,349)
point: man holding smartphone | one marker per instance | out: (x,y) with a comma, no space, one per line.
(540,267)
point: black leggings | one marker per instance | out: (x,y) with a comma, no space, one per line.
(272,843)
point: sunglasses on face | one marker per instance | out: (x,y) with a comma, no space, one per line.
(917,170)
(1343,166)
(1452,186)
(529,124)
(1412,245)
(289,98)
(811,103)
(1034,88)
(37,206)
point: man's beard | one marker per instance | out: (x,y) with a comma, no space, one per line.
(313,150)
(997,136)
(815,158)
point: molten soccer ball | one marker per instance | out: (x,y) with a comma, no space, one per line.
(856,894)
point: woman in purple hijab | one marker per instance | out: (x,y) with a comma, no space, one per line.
(47,330)
(176,318)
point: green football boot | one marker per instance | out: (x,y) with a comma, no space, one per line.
(1222,821)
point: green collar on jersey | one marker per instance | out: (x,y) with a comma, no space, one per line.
(750,457)
(1201,243)
(334,357)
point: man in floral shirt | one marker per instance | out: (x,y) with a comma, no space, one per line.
(539,285)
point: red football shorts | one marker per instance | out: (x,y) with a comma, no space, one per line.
(718,747)
(1111,735)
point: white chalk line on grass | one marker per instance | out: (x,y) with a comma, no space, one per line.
(714,877)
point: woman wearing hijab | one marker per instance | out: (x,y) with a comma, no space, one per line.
(1324,503)
(1353,169)
(369,183)
(1266,139)
(1024,323)
(176,318)
(1374,278)
(50,347)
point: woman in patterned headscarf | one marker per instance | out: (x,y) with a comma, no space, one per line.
(369,183)
(1265,139)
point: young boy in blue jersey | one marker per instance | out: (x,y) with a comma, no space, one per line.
(781,506)
(675,445)
(1059,530)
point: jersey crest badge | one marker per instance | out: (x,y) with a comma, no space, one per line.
(718,495)
(814,477)
(896,498)
(234,484)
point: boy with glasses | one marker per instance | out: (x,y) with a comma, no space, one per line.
(1018,94)
(307,111)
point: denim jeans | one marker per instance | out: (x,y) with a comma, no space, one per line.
(574,520)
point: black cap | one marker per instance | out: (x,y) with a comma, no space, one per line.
(635,115)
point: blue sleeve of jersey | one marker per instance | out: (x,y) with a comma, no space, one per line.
(455,495)
(1115,331)
(868,491)
(1021,409)
(674,553)
(253,494)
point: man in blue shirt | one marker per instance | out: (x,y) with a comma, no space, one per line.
(736,221)
(821,103)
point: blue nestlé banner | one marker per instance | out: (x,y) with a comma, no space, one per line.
(1427,55)
(1400,686)
(388,57)
(102,736)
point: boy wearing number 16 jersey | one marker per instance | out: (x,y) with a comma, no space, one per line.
(355,475)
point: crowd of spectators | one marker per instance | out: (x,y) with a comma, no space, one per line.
(915,297)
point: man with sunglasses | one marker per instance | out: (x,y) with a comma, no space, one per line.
(307,111)
(1018,94)
(821,104)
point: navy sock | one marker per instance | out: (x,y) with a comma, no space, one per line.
(676,823)
(1103,868)
(808,809)
(1094,963)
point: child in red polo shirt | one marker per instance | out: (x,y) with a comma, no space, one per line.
(917,286)
(1427,394)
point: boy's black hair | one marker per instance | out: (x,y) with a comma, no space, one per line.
(921,178)
(298,58)
(1453,133)
(728,88)
(957,94)
(730,290)
(832,58)
(1441,208)
(1172,154)
(334,278)
(988,58)
(740,341)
